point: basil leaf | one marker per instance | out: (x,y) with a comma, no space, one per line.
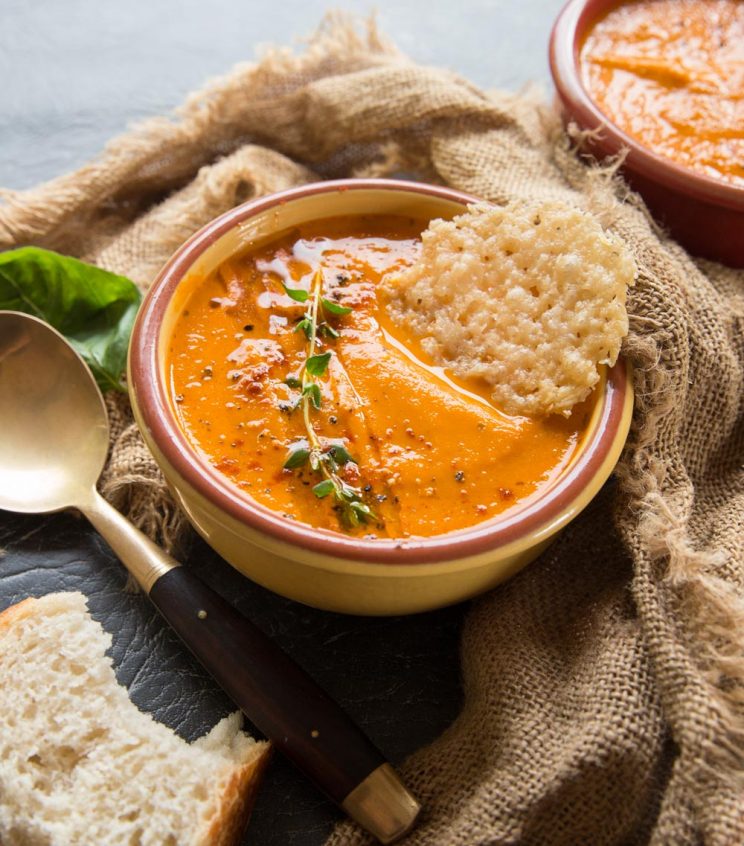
(317,365)
(292,381)
(297,294)
(335,308)
(92,308)
(323,488)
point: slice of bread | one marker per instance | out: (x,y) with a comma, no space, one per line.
(80,764)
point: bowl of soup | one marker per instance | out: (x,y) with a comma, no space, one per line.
(662,83)
(309,438)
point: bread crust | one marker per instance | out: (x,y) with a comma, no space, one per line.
(20,611)
(237,802)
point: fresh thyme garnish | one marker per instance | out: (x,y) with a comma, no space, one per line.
(326,460)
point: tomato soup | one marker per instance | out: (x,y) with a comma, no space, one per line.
(290,379)
(670,73)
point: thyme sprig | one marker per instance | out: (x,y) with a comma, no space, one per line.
(326,460)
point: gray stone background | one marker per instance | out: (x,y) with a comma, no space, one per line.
(73,74)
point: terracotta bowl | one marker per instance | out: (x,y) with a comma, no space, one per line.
(704,214)
(319,567)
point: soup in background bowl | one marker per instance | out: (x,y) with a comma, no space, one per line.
(661,82)
(428,493)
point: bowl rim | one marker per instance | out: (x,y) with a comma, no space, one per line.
(566,36)
(149,395)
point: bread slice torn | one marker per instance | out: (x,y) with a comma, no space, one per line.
(80,764)
(529,297)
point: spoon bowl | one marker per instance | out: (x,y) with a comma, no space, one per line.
(52,417)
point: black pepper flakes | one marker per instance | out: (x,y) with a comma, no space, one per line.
(460,476)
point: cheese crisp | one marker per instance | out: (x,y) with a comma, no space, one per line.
(528,297)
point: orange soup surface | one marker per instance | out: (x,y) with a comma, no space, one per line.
(670,73)
(431,454)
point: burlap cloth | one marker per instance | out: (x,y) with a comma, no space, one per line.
(604,685)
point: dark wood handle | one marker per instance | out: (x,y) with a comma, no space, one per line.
(272,690)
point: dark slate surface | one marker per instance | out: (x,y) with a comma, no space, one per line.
(76,73)
(398,677)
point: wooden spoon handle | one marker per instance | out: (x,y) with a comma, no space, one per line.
(278,696)
(286,704)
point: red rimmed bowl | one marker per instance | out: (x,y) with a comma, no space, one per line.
(706,215)
(323,568)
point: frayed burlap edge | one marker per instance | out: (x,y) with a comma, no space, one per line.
(714,610)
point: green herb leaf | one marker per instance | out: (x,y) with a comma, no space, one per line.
(313,391)
(297,294)
(327,459)
(324,461)
(362,509)
(341,454)
(92,308)
(328,331)
(347,493)
(324,488)
(317,365)
(297,457)
(334,308)
(355,513)
(305,325)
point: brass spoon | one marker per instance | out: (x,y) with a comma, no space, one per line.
(53,444)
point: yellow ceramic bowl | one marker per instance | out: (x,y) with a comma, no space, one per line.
(315,566)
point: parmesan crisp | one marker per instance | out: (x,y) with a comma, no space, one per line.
(529,297)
